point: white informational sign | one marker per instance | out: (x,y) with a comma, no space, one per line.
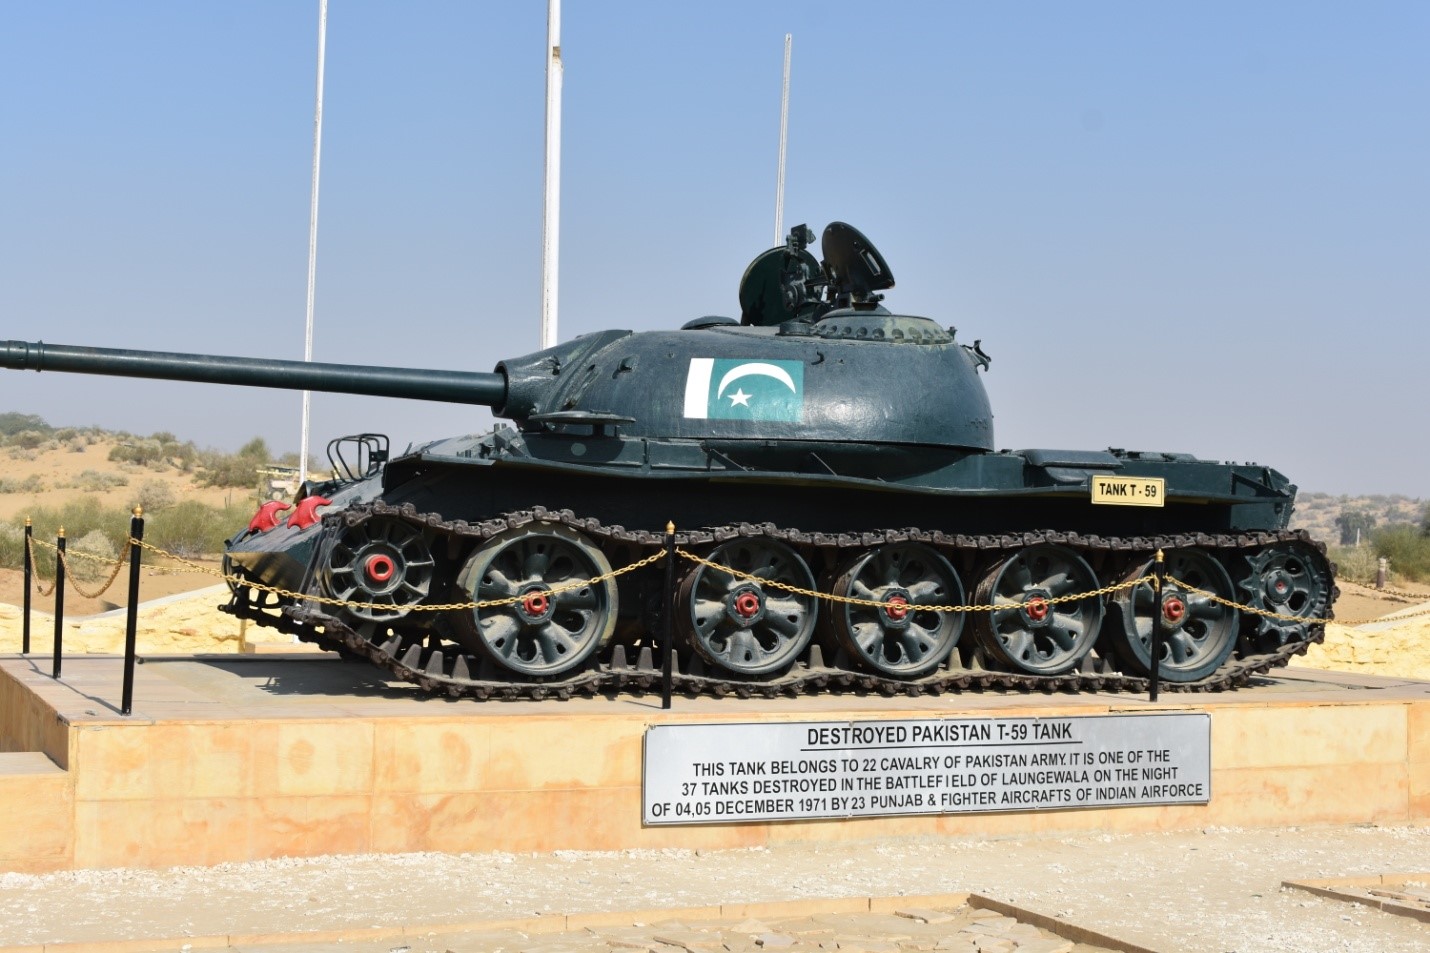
(710,774)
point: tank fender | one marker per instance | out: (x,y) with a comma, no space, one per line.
(1070,466)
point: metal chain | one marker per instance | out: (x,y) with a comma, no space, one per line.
(875,604)
(44,593)
(387,606)
(113,573)
(71,578)
(1400,594)
(240,581)
(1392,617)
(1281,617)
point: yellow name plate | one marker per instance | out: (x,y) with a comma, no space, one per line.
(1129,491)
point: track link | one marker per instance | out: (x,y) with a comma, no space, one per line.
(447,669)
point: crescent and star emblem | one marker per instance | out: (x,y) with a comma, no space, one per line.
(733,389)
(759,368)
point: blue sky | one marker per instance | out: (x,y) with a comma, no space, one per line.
(1201,228)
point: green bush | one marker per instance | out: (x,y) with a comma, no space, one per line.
(12,546)
(13,423)
(1407,548)
(79,518)
(235,469)
(28,439)
(191,528)
(188,528)
(1355,563)
(157,452)
(145,453)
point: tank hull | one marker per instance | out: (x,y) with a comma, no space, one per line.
(981,516)
(646,484)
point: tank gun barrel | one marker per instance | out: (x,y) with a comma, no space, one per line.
(459,387)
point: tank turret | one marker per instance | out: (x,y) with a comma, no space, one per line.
(818,441)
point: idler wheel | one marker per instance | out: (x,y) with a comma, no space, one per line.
(548,630)
(381,561)
(1198,633)
(1292,579)
(1027,631)
(743,625)
(891,638)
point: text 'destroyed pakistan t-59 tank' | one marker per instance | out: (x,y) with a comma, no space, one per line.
(819,444)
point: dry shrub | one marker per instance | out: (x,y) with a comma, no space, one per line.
(155,495)
(95,544)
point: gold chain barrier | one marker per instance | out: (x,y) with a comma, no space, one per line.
(876,604)
(1283,617)
(1073,597)
(71,578)
(44,593)
(1400,594)
(387,606)
(239,581)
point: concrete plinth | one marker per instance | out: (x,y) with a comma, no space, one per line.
(245,758)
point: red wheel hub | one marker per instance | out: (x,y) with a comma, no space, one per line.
(379,567)
(897,607)
(747,604)
(1037,609)
(1173,609)
(535,603)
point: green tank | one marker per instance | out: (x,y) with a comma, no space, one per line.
(819,443)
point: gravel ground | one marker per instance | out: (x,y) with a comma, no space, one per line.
(1216,890)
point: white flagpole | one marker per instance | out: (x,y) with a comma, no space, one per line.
(551,235)
(784,142)
(313,226)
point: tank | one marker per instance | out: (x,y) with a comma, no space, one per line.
(818,446)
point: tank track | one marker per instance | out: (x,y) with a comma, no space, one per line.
(452,671)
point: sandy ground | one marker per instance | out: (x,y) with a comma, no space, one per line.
(1209,891)
(183,623)
(1213,890)
(60,470)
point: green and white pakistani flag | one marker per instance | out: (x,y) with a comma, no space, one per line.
(722,389)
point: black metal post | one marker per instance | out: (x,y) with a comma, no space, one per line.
(668,615)
(29,584)
(59,602)
(131,623)
(1159,570)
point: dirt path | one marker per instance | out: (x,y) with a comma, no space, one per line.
(1205,891)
